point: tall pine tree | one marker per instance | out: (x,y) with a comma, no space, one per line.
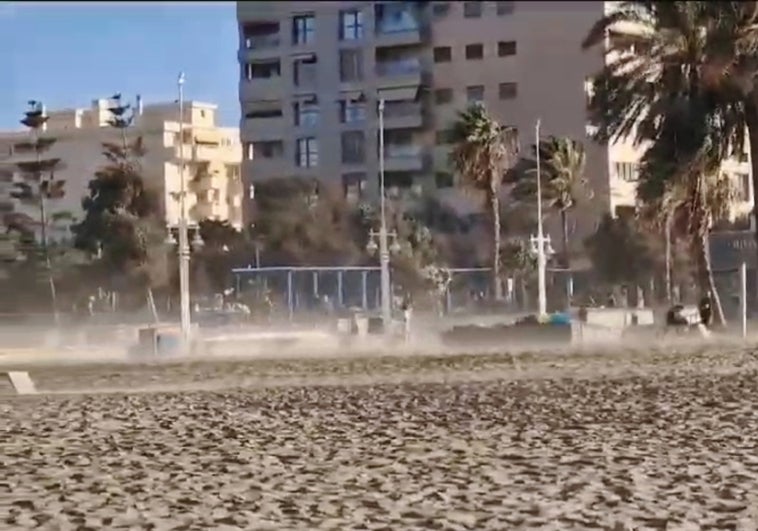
(37,188)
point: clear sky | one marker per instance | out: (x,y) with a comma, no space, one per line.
(67,54)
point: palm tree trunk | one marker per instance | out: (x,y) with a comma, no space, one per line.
(566,260)
(706,282)
(494,201)
(751,120)
(524,293)
(42,190)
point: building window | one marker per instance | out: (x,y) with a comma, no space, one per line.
(506,48)
(626,171)
(303,29)
(306,114)
(263,69)
(475,93)
(351,65)
(743,187)
(443,179)
(443,96)
(472,9)
(232,171)
(306,154)
(304,71)
(270,149)
(440,9)
(444,137)
(474,51)
(351,25)
(352,112)
(354,186)
(353,147)
(505,8)
(507,91)
(443,54)
(249,150)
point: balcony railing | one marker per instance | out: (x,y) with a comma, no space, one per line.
(399,67)
(262,42)
(402,151)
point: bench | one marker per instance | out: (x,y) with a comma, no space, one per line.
(21,382)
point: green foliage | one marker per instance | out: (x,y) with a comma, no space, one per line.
(621,253)
(482,149)
(122,226)
(301,221)
(563,163)
(517,258)
(224,248)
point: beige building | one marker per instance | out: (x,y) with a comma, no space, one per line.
(311,75)
(212,155)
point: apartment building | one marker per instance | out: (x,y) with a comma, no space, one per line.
(311,76)
(211,154)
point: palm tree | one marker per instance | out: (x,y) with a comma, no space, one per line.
(518,258)
(701,55)
(697,197)
(482,151)
(564,183)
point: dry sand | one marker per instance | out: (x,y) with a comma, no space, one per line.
(653,440)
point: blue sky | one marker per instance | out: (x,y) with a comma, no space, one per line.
(67,54)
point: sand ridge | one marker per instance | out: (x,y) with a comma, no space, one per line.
(656,441)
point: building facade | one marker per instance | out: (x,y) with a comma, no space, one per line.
(311,76)
(211,155)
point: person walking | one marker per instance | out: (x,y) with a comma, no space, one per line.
(407,314)
(705,309)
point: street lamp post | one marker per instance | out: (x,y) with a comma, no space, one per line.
(540,240)
(184,247)
(384,251)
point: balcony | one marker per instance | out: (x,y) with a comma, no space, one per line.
(403,157)
(259,36)
(264,168)
(261,88)
(262,42)
(397,24)
(205,153)
(398,73)
(403,115)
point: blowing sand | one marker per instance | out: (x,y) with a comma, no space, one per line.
(655,440)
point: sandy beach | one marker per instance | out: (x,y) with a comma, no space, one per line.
(645,440)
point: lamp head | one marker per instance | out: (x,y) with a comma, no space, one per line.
(197,240)
(371,246)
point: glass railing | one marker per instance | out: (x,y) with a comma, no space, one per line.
(399,67)
(262,42)
(402,22)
